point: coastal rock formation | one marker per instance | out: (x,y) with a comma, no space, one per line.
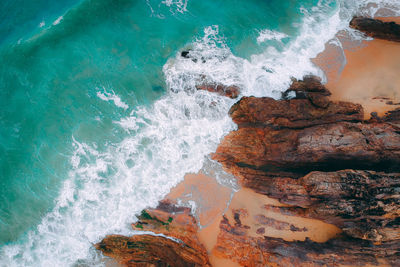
(292,137)
(320,159)
(376,28)
(393,116)
(364,204)
(302,107)
(325,162)
(174,242)
(234,243)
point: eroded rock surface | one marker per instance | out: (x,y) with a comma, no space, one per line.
(376,28)
(234,243)
(178,247)
(292,137)
(364,204)
(325,162)
(393,116)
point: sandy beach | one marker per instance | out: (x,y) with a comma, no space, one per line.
(370,76)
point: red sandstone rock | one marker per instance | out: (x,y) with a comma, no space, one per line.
(279,142)
(309,88)
(276,151)
(290,152)
(393,116)
(364,204)
(180,247)
(376,28)
(293,137)
(294,113)
(235,244)
(229,91)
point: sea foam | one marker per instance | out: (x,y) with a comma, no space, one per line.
(267,34)
(111,96)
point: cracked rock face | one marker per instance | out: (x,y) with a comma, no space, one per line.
(325,162)
(179,245)
(364,204)
(234,243)
(292,137)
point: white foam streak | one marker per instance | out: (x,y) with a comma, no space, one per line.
(58,20)
(266,35)
(106,96)
(180,5)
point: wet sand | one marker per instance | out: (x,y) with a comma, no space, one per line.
(371,76)
(209,197)
(211,200)
(264,221)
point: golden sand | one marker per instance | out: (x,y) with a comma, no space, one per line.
(253,203)
(371,76)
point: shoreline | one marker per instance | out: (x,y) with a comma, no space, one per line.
(360,82)
(364,60)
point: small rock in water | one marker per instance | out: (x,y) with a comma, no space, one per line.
(231,91)
(185,54)
(376,28)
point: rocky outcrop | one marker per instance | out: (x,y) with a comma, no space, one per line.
(309,88)
(364,204)
(323,161)
(174,242)
(304,104)
(376,28)
(292,137)
(320,159)
(234,243)
(295,152)
(393,116)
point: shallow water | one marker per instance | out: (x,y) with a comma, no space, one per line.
(99,116)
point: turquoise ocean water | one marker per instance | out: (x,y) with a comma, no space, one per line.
(98,113)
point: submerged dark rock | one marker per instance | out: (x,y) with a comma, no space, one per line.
(185,54)
(376,28)
(231,91)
